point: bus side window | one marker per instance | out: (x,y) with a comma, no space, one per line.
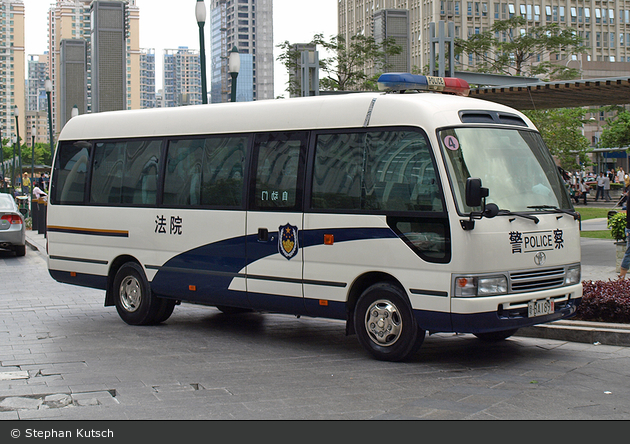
(125,172)
(205,171)
(279,158)
(375,171)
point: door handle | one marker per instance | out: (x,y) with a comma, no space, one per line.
(263,235)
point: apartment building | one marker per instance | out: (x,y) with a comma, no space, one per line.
(182,77)
(12,68)
(604,25)
(248,25)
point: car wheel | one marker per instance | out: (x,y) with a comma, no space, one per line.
(20,250)
(385,324)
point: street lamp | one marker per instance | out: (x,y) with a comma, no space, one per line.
(17,130)
(201,21)
(234,65)
(33,131)
(49,86)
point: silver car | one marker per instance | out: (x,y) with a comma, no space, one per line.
(12,226)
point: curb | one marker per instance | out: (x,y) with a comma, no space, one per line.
(580,331)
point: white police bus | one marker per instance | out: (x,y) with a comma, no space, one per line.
(400,213)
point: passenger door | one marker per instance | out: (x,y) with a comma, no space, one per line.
(274,222)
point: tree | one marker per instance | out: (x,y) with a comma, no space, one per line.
(346,68)
(503,49)
(617,132)
(561,129)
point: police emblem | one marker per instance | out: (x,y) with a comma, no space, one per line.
(288,241)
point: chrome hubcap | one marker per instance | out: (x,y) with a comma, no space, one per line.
(383,323)
(130,294)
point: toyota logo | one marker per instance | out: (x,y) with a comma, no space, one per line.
(540,258)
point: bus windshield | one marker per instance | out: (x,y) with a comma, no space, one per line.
(514,165)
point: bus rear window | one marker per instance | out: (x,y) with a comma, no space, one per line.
(69,177)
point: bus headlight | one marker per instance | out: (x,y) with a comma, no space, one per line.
(574,275)
(470,286)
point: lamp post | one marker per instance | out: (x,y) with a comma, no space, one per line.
(13,167)
(201,21)
(17,130)
(48,86)
(2,160)
(33,131)
(234,65)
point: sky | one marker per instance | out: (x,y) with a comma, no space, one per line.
(294,20)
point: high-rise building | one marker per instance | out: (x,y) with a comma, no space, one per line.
(604,25)
(108,51)
(12,67)
(182,77)
(72,19)
(248,26)
(37,67)
(147,79)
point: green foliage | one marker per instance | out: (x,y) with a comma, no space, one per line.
(561,129)
(346,68)
(503,49)
(617,132)
(42,153)
(617,226)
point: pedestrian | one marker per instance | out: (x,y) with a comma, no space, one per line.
(621,176)
(26,184)
(625,261)
(583,191)
(40,181)
(607,189)
(38,193)
(600,186)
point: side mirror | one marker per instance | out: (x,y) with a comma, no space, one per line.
(475,193)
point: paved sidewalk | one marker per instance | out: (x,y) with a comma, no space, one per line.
(573,331)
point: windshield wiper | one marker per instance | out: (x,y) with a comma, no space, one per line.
(526,216)
(575,214)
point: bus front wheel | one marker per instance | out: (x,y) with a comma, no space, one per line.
(135,303)
(385,324)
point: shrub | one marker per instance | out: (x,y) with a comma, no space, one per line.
(617,226)
(605,301)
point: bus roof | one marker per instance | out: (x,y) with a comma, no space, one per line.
(428,110)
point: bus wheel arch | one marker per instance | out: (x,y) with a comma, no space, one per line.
(383,320)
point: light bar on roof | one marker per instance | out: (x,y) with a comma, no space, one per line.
(405,81)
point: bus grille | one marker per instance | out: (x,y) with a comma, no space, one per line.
(535,280)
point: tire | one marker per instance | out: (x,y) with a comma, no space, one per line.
(496,336)
(20,250)
(385,324)
(166,310)
(135,303)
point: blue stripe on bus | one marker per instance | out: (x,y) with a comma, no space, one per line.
(211,268)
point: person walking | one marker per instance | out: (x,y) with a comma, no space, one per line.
(600,186)
(606,195)
(583,192)
(625,261)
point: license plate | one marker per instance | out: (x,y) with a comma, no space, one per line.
(539,308)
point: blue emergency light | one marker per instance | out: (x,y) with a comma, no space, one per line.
(399,81)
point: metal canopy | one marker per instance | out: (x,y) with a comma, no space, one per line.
(560,94)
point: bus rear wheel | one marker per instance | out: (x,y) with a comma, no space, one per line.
(135,303)
(385,324)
